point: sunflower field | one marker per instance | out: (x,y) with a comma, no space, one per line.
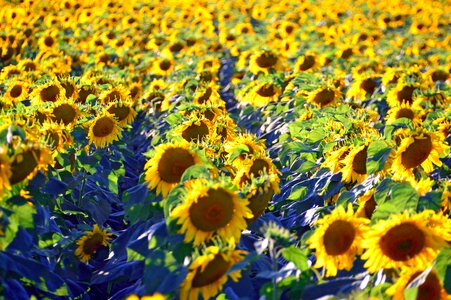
(164,149)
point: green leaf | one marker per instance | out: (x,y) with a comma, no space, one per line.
(443,268)
(196,171)
(298,193)
(238,151)
(378,152)
(401,197)
(411,293)
(297,257)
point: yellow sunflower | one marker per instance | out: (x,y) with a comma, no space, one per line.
(306,63)
(156,296)
(104,130)
(16,92)
(412,111)
(208,272)
(65,112)
(367,204)
(27,160)
(423,149)
(402,93)
(195,130)
(163,66)
(337,240)
(354,169)
(324,96)
(49,92)
(402,240)
(430,289)
(254,167)
(362,87)
(207,94)
(5,170)
(123,111)
(261,94)
(209,209)
(334,159)
(91,242)
(260,195)
(265,60)
(118,93)
(165,169)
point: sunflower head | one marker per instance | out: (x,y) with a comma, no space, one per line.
(65,112)
(118,93)
(323,96)
(337,239)
(92,241)
(165,169)
(263,61)
(50,92)
(209,209)
(123,111)
(403,240)
(104,130)
(208,272)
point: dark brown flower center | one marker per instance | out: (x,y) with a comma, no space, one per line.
(23,165)
(103,127)
(402,242)
(368,85)
(359,162)
(65,113)
(267,90)
(258,204)
(369,207)
(405,113)
(69,88)
(173,163)
(49,41)
(431,287)
(16,91)
(339,237)
(266,60)
(309,61)
(406,94)
(165,65)
(195,132)
(205,96)
(213,211)
(439,75)
(50,93)
(92,243)
(121,112)
(324,97)
(417,152)
(214,270)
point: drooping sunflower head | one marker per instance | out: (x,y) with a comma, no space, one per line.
(166,167)
(431,288)
(337,239)
(104,130)
(207,94)
(402,240)
(209,209)
(262,93)
(247,144)
(367,204)
(92,241)
(208,272)
(354,169)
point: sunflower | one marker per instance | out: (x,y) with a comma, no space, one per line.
(401,93)
(163,66)
(254,146)
(48,41)
(209,209)
(260,194)
(65,112)
(362,87)
(123,111)
(367,204)
(195,130)
(156,100)
(306,63)
(118,93)
(51,91)
(253,168)
(324,96)
(27,161)
(354,169)
(17,91)
(165,169)
(5,170)
(104,130)
(412,111)
(430,289)
(265,60)
(209,272)
(418,149)
(207,94)
(89,243)
(402,240)
(337,240)
(261,94)
(156,296)
(70,87)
